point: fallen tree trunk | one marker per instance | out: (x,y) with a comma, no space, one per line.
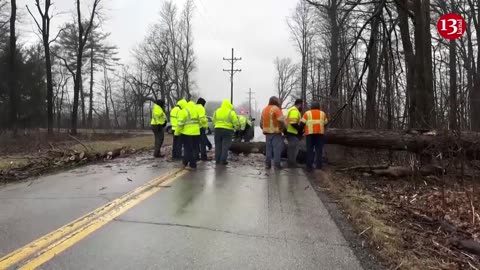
(427,143)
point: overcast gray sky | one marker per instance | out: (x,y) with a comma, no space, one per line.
(255,28)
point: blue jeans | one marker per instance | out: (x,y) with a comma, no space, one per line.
(223,141)
(315,144)
(274,148)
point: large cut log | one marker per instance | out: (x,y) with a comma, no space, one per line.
(429,143)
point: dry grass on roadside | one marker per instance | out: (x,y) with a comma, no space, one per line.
(372,221)
(405,222)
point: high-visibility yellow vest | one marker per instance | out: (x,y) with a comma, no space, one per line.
(293,117)
(225,117)
(174,117)
(202,116)
(243,122)
(158,116)
(188,121)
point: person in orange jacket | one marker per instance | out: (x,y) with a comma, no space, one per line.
(272,124)
(313,123)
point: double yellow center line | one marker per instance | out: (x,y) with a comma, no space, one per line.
(47,247)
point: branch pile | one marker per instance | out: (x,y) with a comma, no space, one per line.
(395,171)
(55,158)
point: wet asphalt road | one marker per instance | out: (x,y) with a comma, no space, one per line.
(239,217)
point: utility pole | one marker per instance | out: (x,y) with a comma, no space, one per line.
(250,93)
(232,71)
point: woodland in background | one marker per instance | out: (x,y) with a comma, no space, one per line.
(382,65)
(377,65)
(72,77)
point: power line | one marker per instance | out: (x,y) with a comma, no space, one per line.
(232,71)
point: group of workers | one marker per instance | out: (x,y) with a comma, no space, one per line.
(294,127)
(190,124)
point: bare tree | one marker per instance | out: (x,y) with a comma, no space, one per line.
(424,111)
(12,68)
(3,23)
(302,29)
(83,35)
(44,31)
(371,102)
(287,79)
(185,47)
(475,94)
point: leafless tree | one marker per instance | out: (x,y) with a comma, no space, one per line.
(83,35)
(186,46)
(13,87)
(302,29)
(44,30)
(287,80)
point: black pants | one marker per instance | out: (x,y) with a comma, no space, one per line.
(315,144)
(159,137)
(203,144)
(208,143)
(177,147)
(190,148)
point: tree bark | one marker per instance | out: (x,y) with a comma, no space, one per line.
(453,86)
(371,114)
(12,68)
(90,107)
(475,93)
(428,143)
(409,61)
(423,108)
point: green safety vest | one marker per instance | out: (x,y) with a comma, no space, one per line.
(202,115)
(293,117)
(189,122)
(174,117)
(243,122)
(158,116)
(225,118)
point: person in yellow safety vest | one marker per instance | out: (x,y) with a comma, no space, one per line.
(245,124)
(226,122)
(293,132)
(158,123)
(202,143)
(177,141)
(189,129)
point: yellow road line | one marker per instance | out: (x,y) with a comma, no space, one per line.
(46,247)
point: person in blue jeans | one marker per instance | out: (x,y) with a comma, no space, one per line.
(313,123)
(272,123)
(226,122)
